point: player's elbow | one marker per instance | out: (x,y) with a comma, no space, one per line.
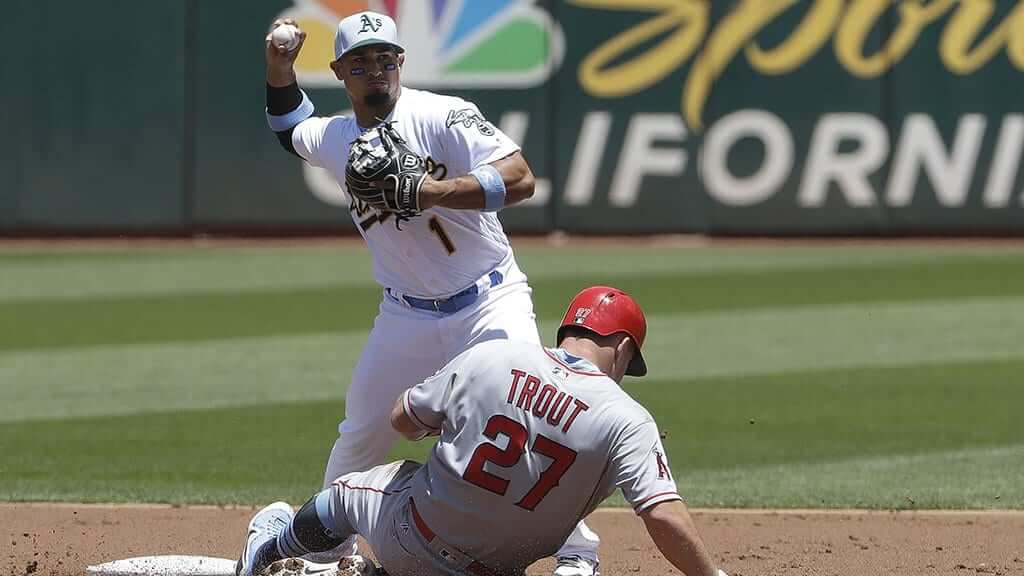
(659,514)
(402,424)
(517,176)
(520,185)
(403,428)
(521,190)
(285,139)
(410,435)
(410,431)
(399,419)
(667,522)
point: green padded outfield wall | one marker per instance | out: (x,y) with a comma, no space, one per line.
(740,117)
(94,129)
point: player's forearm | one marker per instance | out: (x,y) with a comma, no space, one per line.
(404,424)
(673,531)
(462,193)
(286,107)
(282,100)
(280,76)
(469,193)
(518,178)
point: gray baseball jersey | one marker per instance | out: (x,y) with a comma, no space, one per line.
(531,441)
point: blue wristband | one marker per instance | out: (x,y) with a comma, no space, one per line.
(293,118)
(493,185)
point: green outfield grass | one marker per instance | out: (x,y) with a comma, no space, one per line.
(875,377)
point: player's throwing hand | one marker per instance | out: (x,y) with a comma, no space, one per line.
(281,57)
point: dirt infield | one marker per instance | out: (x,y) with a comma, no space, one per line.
(44,539)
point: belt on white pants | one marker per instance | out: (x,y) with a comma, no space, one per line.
(453,303)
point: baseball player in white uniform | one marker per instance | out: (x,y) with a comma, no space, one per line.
(449,276)
(531,440)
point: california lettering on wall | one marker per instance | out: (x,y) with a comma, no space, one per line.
(962,47)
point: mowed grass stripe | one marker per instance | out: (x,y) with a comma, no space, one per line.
(102,381)
(182,318)
(66,274)
(836,414)
(715,427)
(229,455)
(973,479)
(79,382)
(149,272)
(210,316)
(861,335)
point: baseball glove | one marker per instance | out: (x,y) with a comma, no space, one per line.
(385,173)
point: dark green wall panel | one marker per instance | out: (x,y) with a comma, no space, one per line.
(243,176)
(99,119)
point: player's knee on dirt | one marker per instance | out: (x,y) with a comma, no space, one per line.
(316,529)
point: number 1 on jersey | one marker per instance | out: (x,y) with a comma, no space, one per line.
(562,458)
(436,228)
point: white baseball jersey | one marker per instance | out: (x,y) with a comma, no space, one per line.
(442,251)
(532,440)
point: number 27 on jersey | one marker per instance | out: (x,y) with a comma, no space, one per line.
(562,458)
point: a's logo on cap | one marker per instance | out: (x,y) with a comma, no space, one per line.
(581,315)
(370,24)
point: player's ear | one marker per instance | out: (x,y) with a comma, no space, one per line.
(401,59)
(624,351)
(338,69)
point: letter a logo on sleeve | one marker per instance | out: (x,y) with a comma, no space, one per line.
(663,472)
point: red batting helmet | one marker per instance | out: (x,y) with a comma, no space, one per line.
(605,311)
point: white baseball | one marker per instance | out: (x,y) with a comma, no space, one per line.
(285,37)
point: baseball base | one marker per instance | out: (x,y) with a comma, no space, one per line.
(165,566)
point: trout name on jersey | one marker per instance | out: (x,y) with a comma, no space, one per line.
(543,401)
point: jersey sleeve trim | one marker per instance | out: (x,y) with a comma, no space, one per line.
(656,499)
(412,415)
(499,154)
(293,118)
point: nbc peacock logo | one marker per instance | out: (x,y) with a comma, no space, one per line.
(457,43)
